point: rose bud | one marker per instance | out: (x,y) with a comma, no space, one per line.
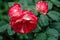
(14,10)
(42,7)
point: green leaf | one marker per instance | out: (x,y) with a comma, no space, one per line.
(32,8)
(6,6)
(43,20)
(1,11)
(37,29)
(50,5)
(30,2)
(22,36)
(10,4)
(10,31)
(52,38)
(24,4)
(54,15)
(52,32)
(56,25)
(2,23)
(56,2)
(3,28)
(41,36)
(30,36)
(5,18)
(36,1)
(25,36)
(1,38)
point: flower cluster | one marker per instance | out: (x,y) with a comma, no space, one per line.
(24,21)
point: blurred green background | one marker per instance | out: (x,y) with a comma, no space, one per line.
(48,27)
